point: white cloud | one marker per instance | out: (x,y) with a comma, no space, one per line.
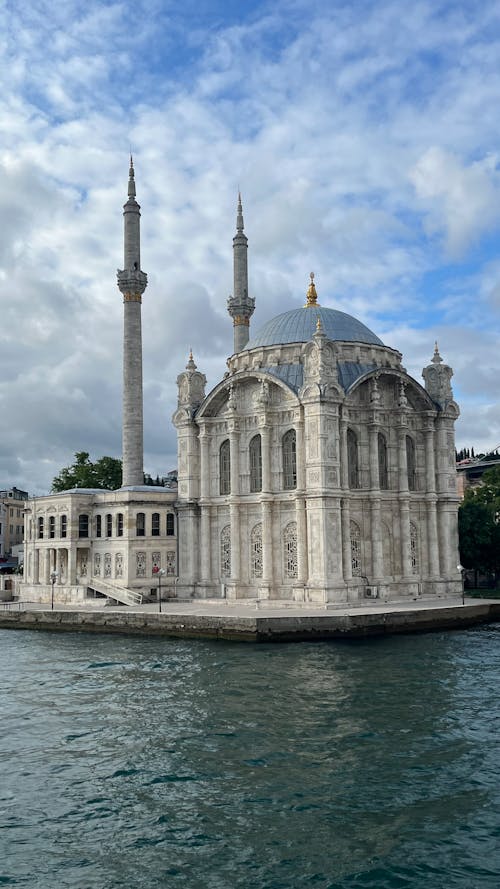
(463,201)
(348,129)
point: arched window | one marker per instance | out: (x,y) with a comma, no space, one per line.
(140,525)
(119,526)
(52,526)
(289,454)
(352,459)
(383,478)
(413,548)
(355,549)
(63,525)
(98,526)
(40,528)
(83,525)
(256,551)
(109,525)
(225,468)
(255,454)
(410,463)
(170,524)
(155,524)
(225,552)
(290,550)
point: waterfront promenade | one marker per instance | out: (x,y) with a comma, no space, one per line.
(251,622)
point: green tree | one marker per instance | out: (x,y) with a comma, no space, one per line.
(105,473)
(479,524)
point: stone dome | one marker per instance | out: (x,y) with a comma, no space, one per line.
(299,325)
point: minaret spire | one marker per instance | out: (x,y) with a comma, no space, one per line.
(132,283)
(240,306)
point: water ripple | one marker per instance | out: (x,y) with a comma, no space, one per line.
(156,763)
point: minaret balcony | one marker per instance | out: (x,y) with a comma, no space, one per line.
(132,280)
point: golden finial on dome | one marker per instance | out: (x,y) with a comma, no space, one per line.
(312,296)
(319,326)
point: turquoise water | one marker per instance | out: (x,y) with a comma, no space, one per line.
(128,762)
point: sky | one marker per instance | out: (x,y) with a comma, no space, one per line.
(364,137)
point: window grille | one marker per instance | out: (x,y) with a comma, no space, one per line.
(256,551)
(225,552)
(289,455)
(225,468)
(290,550)
(255,455)
(352,459)
(355,549)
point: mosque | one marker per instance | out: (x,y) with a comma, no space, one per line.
(316,471)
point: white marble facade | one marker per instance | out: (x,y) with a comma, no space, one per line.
(317,472)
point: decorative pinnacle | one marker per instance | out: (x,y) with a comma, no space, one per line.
(190,365)
(436,358)
(319,326)
(131,179)
(239,217)
(312,296)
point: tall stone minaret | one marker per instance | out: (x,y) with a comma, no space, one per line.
(132,282)
(240,306)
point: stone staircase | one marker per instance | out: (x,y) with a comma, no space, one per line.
(113,591)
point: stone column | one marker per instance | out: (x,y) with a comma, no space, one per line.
(344,460)
(432,538)
(300,455)
(300,518)
(265,440)
(404,504)
(267,544)
(374,473)
(205,548)
(71,556)
(36,566)
(376,540)
(346,539)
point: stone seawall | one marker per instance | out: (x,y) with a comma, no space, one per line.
(258,627)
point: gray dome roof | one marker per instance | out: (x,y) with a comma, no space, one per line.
(299,325)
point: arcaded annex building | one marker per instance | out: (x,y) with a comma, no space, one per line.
(317,471)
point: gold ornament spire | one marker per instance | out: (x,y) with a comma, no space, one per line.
(312,296)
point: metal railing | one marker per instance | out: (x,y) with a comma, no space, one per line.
(113,591)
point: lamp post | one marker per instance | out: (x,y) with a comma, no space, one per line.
(161,573)
(53,577)
(462,578)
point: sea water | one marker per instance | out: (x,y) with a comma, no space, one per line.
(146,763)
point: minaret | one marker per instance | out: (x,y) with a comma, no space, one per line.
(240,306)
(132,282)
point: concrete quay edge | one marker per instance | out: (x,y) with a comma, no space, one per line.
(242,626)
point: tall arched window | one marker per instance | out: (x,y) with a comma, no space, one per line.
(225,552)
(83,525)
(155,524)
(413,548)
(119,525)
(256,551)
(109,525)
(383,478)
(170,524)
(352,459)
(225,467)
(140,525)
(64,525)
(355,549)
(52,526)
(289,453)
(410,463)
(290,550)
(40,528)
(98,526)
(255,455)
